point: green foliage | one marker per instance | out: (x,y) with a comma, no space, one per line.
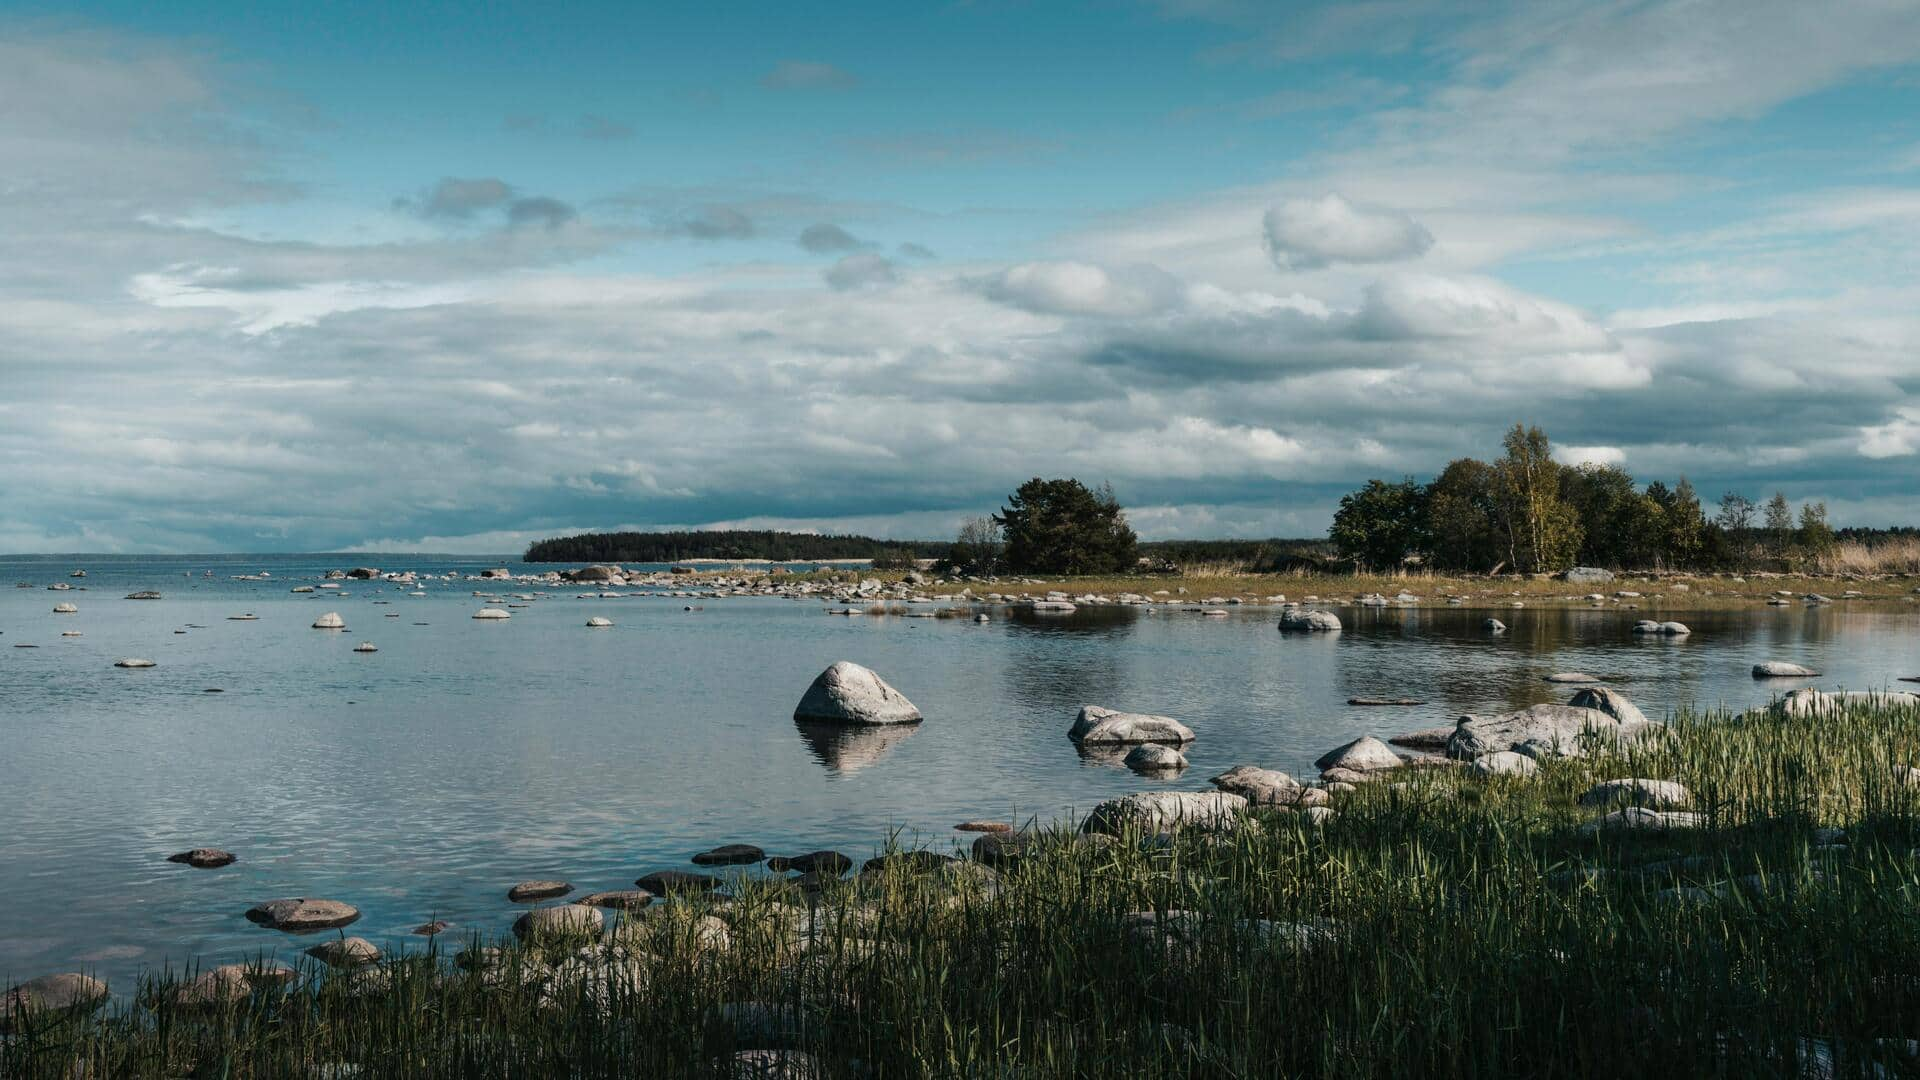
(977,549)
(1461,509)
(1381,525)
(1065,527)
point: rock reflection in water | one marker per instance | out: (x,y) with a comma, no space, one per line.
(847,749)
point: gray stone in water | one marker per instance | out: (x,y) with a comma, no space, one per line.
(1494,626)
(538,890)
(1652,794)
(1674,629)
(330,621)
(1153,757)
(1101,726)
(1261,787)
(1552,728)
(204,858)
(1433,739)
(847,693)
(66,992)
(301,914)
(564,921)
(813,862)
(730,855)
(1312,621)
(1163,811)
(1504,763)
(664,882)
(1364,754)
(133,662)
(618,899)
(1808,702)
(346,952)
(1780,669)
(1571,677)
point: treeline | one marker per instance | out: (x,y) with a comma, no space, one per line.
(667,547)
(1525,512)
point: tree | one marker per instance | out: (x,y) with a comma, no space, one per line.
(1814,537)
(1064,527)
(1382,524)
(1736,513)
(977,549)
(1541,531)
(1779,524)
(1609,509)
(1463,533)
(1686,524)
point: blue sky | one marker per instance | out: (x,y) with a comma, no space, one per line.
(285,276)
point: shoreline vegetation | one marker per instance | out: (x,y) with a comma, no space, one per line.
(1718,894)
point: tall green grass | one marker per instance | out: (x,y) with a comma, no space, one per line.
(1437,925)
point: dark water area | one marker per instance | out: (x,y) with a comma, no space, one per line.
(422,780)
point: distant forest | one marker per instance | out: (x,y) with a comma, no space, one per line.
(668,547)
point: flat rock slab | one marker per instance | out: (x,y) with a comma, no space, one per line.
(1431,739)
(538,890)
(204,858)
(813,862)
(303,914)
(847,693)
(1810,702)
(66,992)
(1163,811)
(1384,701)
(984,826)
(1571,677)
(437,926)
(1554,728)
(730,855)
(664,882)
(618,899)
(1100,726)
(1780,669)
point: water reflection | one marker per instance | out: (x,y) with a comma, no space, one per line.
(846,750)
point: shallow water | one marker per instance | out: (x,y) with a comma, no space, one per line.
(421,781)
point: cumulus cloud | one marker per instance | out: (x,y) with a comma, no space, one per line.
(1312,234)
(824,236)
(861,270)
(807,75)
(1589,455)
(1899,437)
(1073,288)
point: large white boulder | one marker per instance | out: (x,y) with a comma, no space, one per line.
(1364,754)
(1294,618)
(1262,787)
(847,693)
(1551,728)
(1101,726)
(330,621)
(492,613)
(1781,669)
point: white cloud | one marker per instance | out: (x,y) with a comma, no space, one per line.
(1899,437)
(1589,455)
(1076,288)
(861,270)
(1312,234)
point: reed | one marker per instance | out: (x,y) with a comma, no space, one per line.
(1436,925)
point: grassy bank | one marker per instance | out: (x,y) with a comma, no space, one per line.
(1435,925)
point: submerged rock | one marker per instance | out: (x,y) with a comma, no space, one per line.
(813,862)
(1494,626)
(730,855)
(300,914)
(599,622)
(1571,677)
(665,882)
(66,992)
(133,662)
(1154,757)
(538,890)
(1364,754)
(618,899)
(1103,726)
(1164,811)
(492,614)
(1780,669)
(847,693)
(204,858)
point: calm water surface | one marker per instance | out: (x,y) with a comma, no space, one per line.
(421,781)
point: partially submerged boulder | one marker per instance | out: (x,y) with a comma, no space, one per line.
(847,693)
(1614,704)
(204,858)
(1362,755)
(351,952)
(564,921)
(330,621)
(1260,787)
(1154,757)
(302,914)
(68,991)
(528,891)
(1557,729)
(1097,726)
(1164,811)
(1781,669)
(1294,618)
(1808,702)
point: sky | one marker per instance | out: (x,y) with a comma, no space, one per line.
(426,277)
